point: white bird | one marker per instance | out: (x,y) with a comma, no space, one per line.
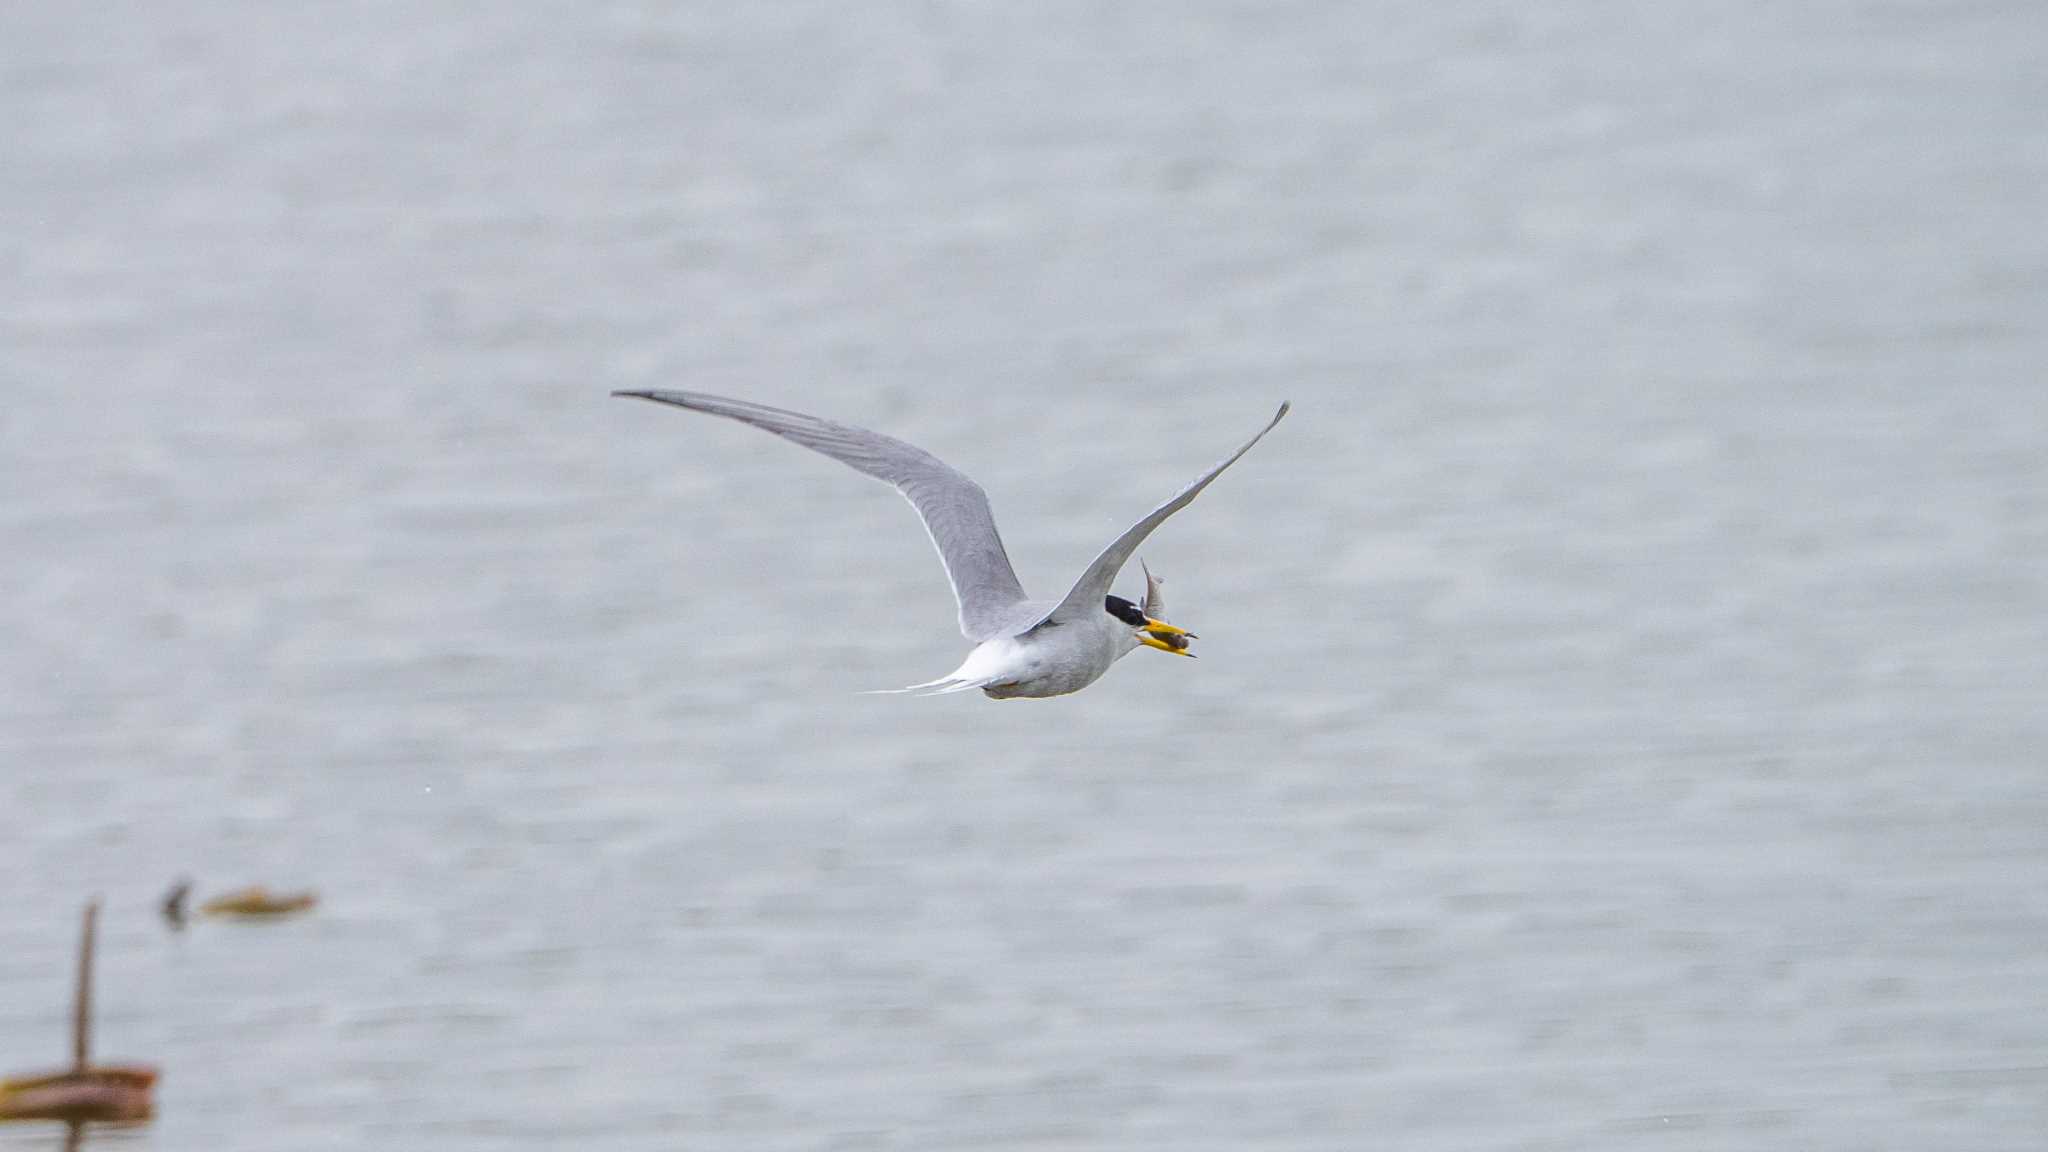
(1023,647)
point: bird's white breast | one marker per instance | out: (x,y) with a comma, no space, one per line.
(1048,661)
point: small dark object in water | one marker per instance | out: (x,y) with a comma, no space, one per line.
(174,902)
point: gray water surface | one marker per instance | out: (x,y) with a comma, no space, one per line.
(1620,722)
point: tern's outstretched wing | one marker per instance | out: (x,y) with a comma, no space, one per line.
(1088,591)
(954,508)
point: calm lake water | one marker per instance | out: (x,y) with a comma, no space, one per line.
(1621,715)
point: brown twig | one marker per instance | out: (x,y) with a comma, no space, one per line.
(81,1009)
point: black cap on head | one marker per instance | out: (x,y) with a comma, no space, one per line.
(1123,610)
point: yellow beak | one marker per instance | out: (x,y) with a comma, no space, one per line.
(1166,637)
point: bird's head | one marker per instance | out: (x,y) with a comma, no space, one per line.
(1147,631)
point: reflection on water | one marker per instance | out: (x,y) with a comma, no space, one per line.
(1619,708)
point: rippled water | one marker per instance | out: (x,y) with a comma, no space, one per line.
(1620,722)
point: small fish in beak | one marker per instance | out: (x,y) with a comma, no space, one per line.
(1167,638)
(1158,633)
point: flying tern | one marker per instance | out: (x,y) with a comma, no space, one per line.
(1023,647)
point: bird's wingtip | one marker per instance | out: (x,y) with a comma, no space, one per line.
(657,395)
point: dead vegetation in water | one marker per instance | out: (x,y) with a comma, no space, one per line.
(85,1093)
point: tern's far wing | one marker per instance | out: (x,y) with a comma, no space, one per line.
(1088,591)
(955,509)
(1154,604)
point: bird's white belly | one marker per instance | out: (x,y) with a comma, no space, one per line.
(1050,662)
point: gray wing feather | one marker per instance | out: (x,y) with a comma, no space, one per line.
(1154,604)
(954,509)
(1088,591)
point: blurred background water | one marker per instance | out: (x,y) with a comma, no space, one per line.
(1620,722)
